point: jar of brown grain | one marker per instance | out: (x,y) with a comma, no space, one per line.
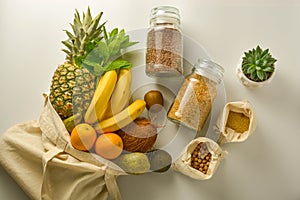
(196,95)
(164,43)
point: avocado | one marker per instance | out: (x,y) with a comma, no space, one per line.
(160,160)
(134,163)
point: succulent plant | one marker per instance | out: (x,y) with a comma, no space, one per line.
(258,64)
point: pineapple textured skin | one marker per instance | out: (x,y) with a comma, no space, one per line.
(72,90)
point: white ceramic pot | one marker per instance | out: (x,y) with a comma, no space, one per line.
(249,83)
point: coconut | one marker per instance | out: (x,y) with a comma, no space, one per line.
(138,136)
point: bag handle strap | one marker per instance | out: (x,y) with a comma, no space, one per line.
(112,186)
(47,157)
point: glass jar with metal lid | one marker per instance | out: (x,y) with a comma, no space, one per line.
(195,98)
(164,43)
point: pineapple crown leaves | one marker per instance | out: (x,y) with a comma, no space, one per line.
(104,55)
(258,64)
(85,30)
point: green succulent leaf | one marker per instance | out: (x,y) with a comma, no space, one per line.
(268,69)
(250,69)
(261,75)
(258,64)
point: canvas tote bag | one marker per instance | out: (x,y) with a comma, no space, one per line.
(39,156)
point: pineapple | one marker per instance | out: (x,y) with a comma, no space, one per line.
(73,86)
(258,65)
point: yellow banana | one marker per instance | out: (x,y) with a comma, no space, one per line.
(121,119)
(121,95)
(101,97)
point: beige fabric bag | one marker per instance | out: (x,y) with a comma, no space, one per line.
(229,135)
(39,156)
(183,163)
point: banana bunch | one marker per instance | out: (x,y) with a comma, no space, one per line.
(109,109)
(121,95)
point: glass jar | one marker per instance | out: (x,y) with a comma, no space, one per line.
(164,43)
(195,98)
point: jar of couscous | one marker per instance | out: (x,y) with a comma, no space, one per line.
(195,98)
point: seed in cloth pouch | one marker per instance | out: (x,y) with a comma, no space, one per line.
(238,122)
(201,158)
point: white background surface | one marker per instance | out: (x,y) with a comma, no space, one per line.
(266,166)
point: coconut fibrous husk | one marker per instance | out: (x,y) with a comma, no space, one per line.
(138,136)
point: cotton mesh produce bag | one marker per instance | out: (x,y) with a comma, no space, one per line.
(39,156)
(183,163)
(228,134)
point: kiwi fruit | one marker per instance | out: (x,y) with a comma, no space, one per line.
(153,97)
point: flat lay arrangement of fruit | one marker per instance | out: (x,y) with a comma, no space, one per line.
(91,92)
(107,114)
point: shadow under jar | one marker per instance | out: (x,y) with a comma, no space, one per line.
(195,98)
(164,43)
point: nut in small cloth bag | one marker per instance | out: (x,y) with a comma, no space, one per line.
(200,159)
(236,122)
(51,168)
